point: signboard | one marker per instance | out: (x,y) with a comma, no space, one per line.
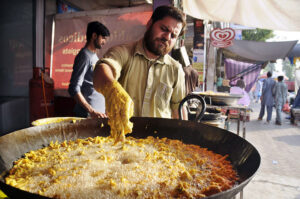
(222,38)
(125,25)
(198,63)
(198,51)
(198,34)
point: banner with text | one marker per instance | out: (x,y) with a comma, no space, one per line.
(125,25)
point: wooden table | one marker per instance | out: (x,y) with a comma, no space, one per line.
(241,115)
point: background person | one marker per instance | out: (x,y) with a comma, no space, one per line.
(296,103)
(258,90)
(267,99)
(240,83)
(88,101)
(191,79)
(280,96)
(219,82)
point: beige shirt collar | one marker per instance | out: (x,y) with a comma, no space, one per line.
(164,60)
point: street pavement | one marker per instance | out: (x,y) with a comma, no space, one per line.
(279,146)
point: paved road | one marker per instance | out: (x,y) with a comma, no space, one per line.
(279,146)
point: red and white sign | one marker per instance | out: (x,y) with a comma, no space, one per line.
(222,38)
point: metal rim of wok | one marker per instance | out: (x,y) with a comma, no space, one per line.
(243,155)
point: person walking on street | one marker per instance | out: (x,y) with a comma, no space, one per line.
(280,95)
(257,92)
(89,103)
(267,98)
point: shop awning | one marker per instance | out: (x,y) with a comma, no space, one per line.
(266,14)
(253,51)
(295,52)
(235,69)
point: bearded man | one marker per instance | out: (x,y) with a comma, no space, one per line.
(153,80)
(89,102)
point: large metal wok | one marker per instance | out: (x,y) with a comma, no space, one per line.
(242,154)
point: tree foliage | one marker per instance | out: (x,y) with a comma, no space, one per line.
(270,67)
(257,34)
(288,69)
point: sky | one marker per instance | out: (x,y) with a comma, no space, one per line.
(284,36)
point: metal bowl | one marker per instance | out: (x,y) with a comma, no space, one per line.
(220,99)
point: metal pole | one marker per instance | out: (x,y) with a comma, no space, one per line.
(238,123)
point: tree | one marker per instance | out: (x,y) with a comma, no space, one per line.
(257,34)
(270,67)
(288,69)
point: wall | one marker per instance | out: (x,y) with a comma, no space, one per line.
(16,60)
(16,19)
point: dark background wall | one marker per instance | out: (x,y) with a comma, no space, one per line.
(16,39)
(16,62)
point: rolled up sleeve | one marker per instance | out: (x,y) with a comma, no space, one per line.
(116,58)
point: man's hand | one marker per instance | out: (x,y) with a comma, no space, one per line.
(92,112)
(96,114)
(118,104)
(119,108)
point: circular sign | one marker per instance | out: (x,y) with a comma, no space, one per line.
(222,38)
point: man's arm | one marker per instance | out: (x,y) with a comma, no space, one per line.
(178,95)
(103,75)
(285,93)
(175,114)
(263,88)
(119,105)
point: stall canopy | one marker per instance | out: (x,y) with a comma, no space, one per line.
(252,51)
(266,14)
(236,69)
(294,54)
(88,5)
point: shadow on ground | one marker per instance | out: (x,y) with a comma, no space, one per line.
(293,140)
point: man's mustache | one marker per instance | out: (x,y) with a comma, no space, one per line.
(164,41)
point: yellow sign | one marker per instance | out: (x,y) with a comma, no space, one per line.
(198,66)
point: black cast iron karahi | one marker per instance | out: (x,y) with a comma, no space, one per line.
(244,157)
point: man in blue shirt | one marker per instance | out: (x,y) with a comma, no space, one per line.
(280,95)
(267,98)
(89,103)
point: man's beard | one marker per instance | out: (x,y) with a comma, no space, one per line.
(159,50)
(97,45)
